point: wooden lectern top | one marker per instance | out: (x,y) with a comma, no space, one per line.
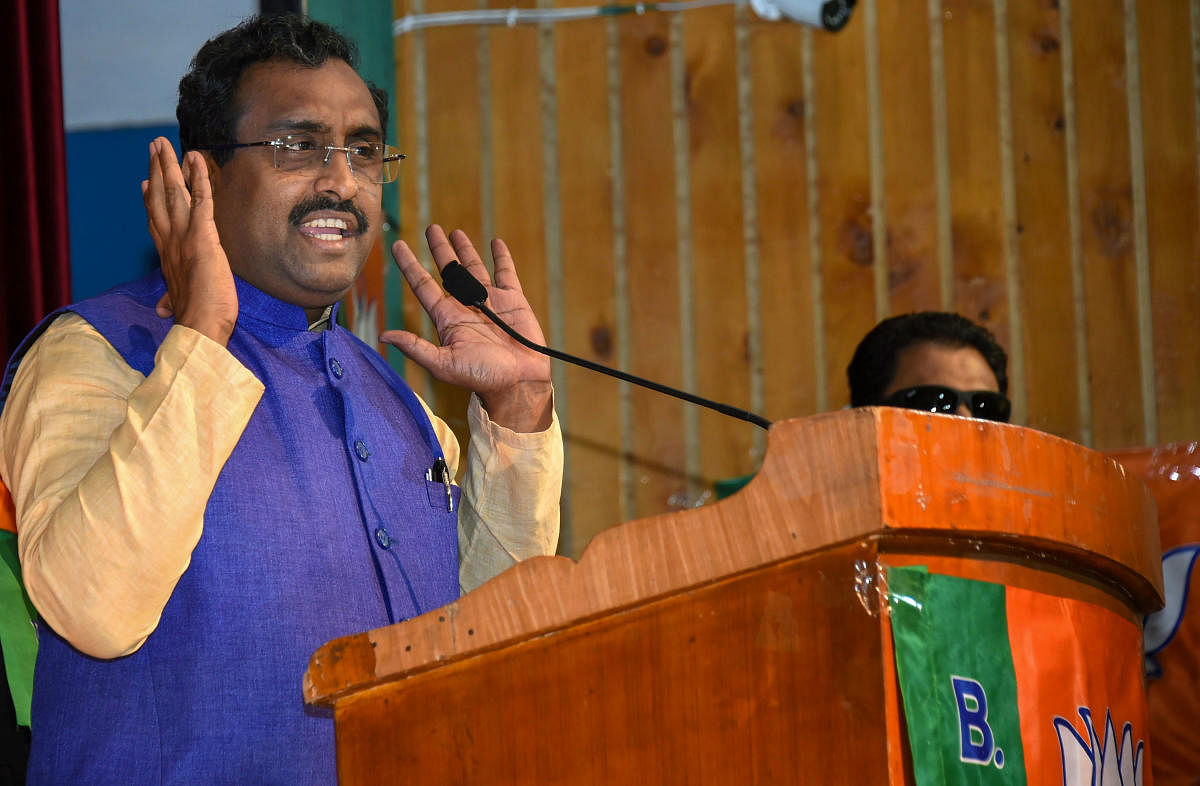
(891,476)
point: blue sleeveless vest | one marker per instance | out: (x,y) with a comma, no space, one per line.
(322,524)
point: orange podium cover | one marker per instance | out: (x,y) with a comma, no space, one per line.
(1172,473)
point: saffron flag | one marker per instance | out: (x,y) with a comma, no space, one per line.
(1002,685)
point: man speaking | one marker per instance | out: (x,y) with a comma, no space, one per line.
(212,478)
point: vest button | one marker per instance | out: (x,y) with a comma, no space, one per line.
(336,368)
(383,537)
(360,448)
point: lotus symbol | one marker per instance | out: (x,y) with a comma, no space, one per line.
(1095,761)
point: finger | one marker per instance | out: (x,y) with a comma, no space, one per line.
(443,253)
(506,269)
(178,199)
(167,200)
(424,353)
(154,235)
(469,257)
(153,197)
(163,308)
(200,186)
(424,286)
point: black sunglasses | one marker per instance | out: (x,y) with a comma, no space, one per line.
(985,404)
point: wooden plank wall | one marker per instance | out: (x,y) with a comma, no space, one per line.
(727,205)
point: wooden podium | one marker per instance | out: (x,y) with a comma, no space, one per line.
(741,642)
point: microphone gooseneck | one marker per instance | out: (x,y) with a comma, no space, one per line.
(467,289)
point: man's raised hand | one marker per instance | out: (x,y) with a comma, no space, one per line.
(512,382)
(179,210)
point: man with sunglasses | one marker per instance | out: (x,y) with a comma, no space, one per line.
(212,478)
(931,361)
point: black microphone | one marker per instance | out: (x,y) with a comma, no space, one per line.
(467,289)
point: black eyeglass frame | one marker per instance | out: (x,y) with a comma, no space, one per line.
(279,143)
(946,400)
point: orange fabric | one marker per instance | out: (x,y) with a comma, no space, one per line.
(1172,473)
(1069,654)
(8,514)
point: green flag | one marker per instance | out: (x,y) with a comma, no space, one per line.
(17,635)
(956,678)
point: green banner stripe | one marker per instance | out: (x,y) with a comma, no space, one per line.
(956,678)
(18,637)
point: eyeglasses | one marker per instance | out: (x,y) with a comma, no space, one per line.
(985,404)
(305,154)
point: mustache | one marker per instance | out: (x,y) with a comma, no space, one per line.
(325,203)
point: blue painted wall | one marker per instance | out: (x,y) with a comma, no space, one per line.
(121,67)
(109,239)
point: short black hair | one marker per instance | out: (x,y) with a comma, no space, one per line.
(873,366)
(207,110)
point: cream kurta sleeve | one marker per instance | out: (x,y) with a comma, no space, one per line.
(110,474)
(510,494)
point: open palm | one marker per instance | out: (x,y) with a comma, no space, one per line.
(513,382)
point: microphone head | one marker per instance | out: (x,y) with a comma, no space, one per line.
(463,286)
